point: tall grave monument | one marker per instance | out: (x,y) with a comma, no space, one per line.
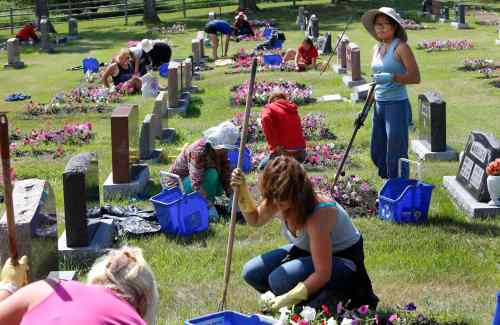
(353,59)
(341,66)
(301,20)
(468,188)
(459,22)
(128,178)
(431,139)
(14,54)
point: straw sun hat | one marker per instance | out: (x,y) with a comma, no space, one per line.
(368,21)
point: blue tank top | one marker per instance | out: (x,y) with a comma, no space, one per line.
(392,91)
(343,234)
(123,75)
(221,26)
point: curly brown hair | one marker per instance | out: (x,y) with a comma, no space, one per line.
(285,180)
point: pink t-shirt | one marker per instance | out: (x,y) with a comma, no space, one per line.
(76,303)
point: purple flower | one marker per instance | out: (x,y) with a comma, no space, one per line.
(363,310)
(410,307)
(392,318)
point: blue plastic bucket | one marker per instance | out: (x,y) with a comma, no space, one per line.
(404,200)
(181,214)
(90,64)
(227,318)
(277,44)
(272,59)
(232,156)
(163,70)
(267,32)
(496,317)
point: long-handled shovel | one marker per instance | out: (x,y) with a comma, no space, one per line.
(336,46)
(9,205)
(232,227)
(358,123)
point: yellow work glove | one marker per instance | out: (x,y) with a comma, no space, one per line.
(15,275)
(245,200)
(292,297)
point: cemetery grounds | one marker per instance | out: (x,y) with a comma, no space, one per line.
(449,267)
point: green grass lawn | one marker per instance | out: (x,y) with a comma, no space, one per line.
(450,266)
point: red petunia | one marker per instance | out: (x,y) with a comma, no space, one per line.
(326,311)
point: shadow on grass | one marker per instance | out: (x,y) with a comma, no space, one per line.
(453,225)
(193,110)
(200,239)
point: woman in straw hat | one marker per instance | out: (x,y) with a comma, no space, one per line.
(394,66)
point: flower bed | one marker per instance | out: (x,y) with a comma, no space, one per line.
(314,125)
(298,93)
(38,142)
(477,64)
(339,315)
(410,24)
(243,63)
(440,45)
(258,23)
(487,18)
(96,99)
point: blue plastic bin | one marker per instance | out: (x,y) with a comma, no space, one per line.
(90,64)
(181,214)
(496,316)
(404,200)
(227,318)
(232,155)
(163,70)
(272,59)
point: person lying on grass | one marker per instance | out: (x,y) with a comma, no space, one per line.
(204,166)
(121,70)
(283,130)
(120,290)
(324,260)
(304,57)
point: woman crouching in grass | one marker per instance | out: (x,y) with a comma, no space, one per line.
(324,258)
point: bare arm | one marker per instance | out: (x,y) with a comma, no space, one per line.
(136,65)
(110,71)
(405,55)
(264,213)
(319,227)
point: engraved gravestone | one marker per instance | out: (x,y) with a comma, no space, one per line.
(124,142)
(480,150)
(445,14)
(313,27)
(436,7)
(195,48)
(81,193)
(173,85)
(146,138)
(341,66)
(45,37)
(432,121)
(353,58)
(459,22)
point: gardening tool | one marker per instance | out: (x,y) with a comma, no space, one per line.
(9,205)
(230,241)
(336,46)
(358,123)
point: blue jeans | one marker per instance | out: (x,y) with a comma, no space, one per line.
(390,136)
(267,273)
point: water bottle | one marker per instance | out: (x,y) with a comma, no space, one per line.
(496,317)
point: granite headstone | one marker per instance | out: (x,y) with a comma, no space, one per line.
(124,142)
(81,193)
(432,121)
(14,54)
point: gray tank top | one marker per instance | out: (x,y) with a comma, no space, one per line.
(344,234)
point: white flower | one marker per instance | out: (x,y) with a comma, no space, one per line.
(346,321)
(284,313)
(308,313)
(265,299)
(331,321)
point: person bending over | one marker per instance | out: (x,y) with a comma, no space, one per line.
(304,57)
(120,290)
(241,26)
(324,257)
(282,128)
(215,27)
(121,71)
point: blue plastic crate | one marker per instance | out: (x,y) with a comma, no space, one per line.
(232,155)
(90,64)
(272,59)
(227,318)
(181,214)
(404,200)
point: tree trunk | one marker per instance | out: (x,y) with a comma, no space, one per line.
(150,15)
(248,5)
(41,9)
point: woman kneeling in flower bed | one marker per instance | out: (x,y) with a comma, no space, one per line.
(122,73)
(324,257)
(283,129)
